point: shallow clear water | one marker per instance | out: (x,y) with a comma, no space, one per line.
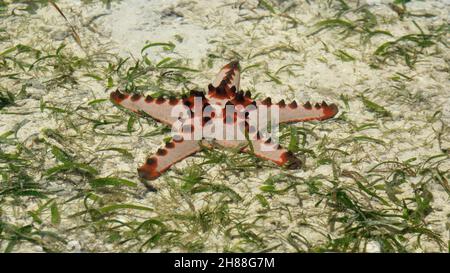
(375,177)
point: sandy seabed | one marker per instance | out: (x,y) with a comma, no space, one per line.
(283,58)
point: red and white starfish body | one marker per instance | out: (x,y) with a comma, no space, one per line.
(224,91)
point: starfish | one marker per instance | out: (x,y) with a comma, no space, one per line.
(224,91)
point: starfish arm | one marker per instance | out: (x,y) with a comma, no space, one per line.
(296,113)
(226,84)
(293,112)
(230,74)
(159,109)
(273,152)
(164,158)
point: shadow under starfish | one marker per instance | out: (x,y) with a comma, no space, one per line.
(224,91)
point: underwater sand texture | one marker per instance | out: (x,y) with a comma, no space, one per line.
(375,177)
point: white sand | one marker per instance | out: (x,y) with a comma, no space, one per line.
(199,28)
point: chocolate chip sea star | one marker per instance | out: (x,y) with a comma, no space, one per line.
(224,91)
